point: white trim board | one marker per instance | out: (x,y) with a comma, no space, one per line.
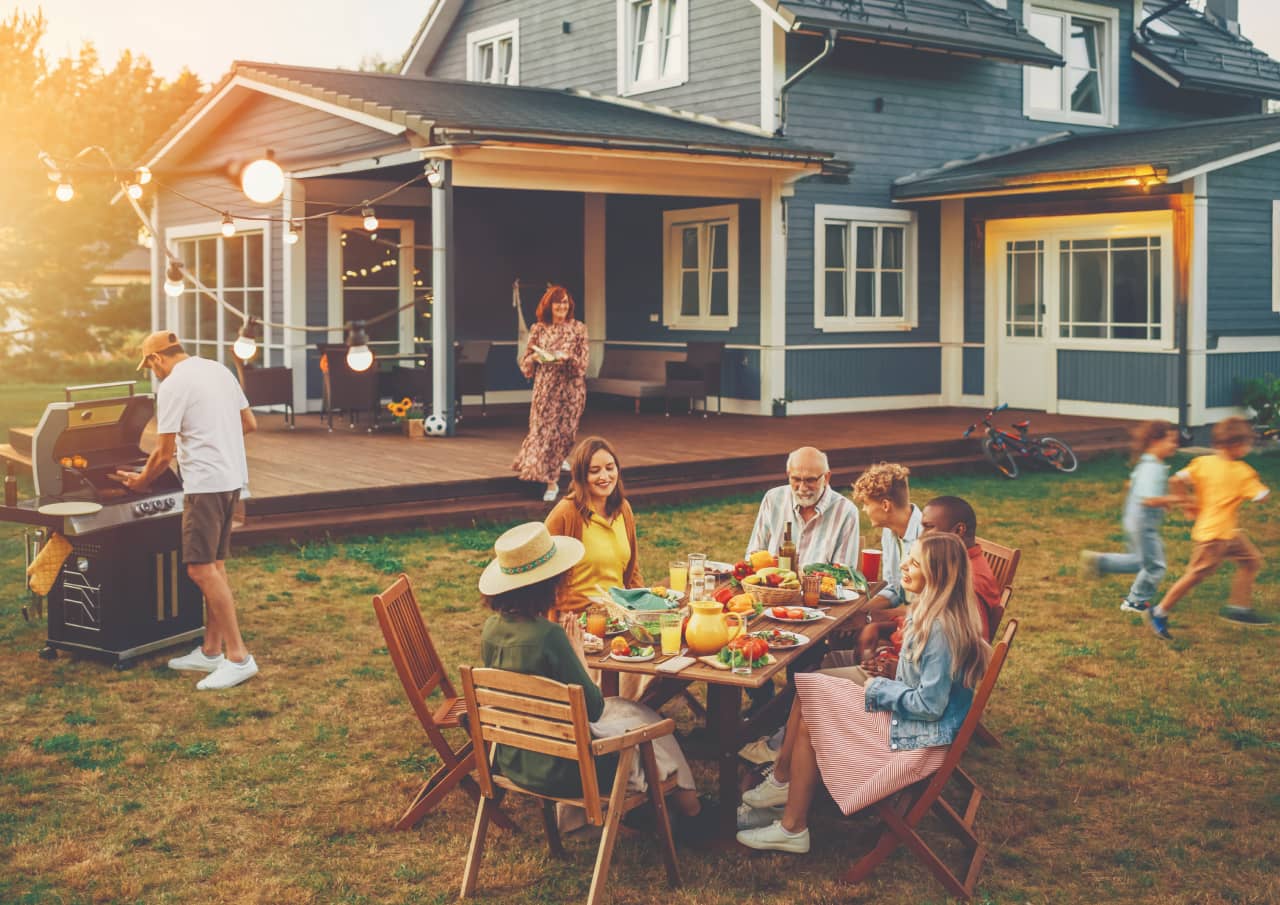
(1117,410)
(440,19)
(1223,162)
(863,404)
(1235,345)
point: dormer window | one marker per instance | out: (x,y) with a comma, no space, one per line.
(1084,90)
(493,54)
(653,52)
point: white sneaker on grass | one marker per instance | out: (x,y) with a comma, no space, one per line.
(229,674)
(769,794)
(197,661)
(750,818)
(774,838)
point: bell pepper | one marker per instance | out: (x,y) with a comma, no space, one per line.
(723,594)
(742,569)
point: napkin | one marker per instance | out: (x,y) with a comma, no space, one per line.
(639,600)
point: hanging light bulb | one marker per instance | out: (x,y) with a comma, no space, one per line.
(133,190)
(144,237)
(262,181)
(359,355)
(246,344)
(173,280)
(292,235)
(65,191)
(228,226)
(142,175)
(370,218)
(435,174)
(50,166)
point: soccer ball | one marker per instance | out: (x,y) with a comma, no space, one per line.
(435,426)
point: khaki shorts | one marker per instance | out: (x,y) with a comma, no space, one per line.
(206,526)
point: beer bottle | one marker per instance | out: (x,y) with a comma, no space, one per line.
(787,552)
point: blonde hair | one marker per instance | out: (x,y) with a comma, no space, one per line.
(885,481)
(948,604)
(1232,430)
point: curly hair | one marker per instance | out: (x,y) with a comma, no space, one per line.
(1232,430)
(886,481)
(550,297)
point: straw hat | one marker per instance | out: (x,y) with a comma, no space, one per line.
(528,554)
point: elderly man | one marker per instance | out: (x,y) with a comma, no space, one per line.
(201,417)
(824,523)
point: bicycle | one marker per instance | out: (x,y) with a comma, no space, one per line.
(1000,446)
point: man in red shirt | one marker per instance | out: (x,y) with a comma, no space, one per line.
(950,513)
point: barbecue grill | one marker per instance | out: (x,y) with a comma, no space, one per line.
(123,591)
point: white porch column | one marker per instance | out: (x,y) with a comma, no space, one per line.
(293,289)
(951,299)
(593,277)
(1198,303)
(773,297)
(442,305)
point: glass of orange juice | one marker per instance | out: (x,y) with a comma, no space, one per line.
(671,626)
(679,575)
(597,620)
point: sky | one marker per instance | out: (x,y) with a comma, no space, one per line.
(333,33)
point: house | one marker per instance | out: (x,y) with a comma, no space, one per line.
(876,204)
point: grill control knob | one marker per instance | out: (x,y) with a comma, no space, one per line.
(137,509)
(169,503)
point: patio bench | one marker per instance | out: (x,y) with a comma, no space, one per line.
(634,373)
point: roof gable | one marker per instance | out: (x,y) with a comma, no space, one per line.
(1203,56)
(441,15)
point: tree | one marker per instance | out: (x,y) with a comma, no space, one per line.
(50,251)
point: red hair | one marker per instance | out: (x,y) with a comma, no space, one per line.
(550,297)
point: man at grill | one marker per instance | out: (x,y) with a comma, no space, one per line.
(202,417)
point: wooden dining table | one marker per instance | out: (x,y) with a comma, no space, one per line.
(726,728)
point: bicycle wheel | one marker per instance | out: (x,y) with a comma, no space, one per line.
(998,455)
(1057,454)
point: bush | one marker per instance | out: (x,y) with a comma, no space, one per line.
(1262,394)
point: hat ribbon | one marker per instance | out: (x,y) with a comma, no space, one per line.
(529,566)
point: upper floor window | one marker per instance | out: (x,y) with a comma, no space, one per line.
(652,49)
(700,268)
(493,54)
(864,268)
(1084,90)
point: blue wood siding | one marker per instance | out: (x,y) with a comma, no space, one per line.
(1135,378)
(724,51)
(839,373)
(973,367)
(1225,371)
(1241,247)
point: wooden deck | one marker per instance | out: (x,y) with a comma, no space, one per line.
(308,481)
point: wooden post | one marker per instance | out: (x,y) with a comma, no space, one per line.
(442,307)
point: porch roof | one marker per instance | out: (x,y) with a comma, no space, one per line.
(1065,161)
(943,26)
(428,111)
(1203,56)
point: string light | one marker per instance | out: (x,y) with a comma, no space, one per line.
(359,356)
(292,235)
(435,174)
(246,344)
(228,226)
(65,191)
(134,190)
(370,218)
(142,175)
(262,181)
(145,239)
(173,281)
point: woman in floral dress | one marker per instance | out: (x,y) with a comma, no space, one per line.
(559,389)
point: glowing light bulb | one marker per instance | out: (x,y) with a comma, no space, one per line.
(144,237)
(359,355)
(370,219)
(143,175)
(64,192)
(435,174)
(228,226)
(173,281)
(134,190)
(291,235)
(262,181)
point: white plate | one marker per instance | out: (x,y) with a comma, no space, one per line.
(652,653)
(802,640)
(70,508)
(811,615)
(842,593)
(721,568)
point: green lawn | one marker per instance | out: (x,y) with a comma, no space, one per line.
(1132,770)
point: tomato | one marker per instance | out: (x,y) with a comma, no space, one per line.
(781,612)
(754,648)
(793,613)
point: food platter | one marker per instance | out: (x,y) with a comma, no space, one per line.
(806,614)
(640,658)
(780,639)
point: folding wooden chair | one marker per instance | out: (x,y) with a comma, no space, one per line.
(421,672)
(902,813)
(1004,566)
(537,714)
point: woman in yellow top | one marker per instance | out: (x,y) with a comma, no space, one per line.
(596,512)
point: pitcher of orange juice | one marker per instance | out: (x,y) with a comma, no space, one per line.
(709,627)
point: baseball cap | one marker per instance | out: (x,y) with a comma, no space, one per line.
(160,341)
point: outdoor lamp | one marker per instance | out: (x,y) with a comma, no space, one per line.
(435,174)
(64,192)
(262,181)
(291,235)
(133,190)
(142,175)
(359,356)
(246,344)
(144,237)
(173,285)
(228,226)
(370,218)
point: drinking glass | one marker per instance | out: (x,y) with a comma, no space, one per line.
(597,620)
(672,625)
(697,575)
(742,668)
(812,588)
(679,575)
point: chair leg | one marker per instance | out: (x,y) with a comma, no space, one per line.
(611,820)
(439,785)
(472,871)
(553,831)
(909,837)
(694,705)
(986,736)
(654,781)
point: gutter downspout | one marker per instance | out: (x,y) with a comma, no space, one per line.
(800,73)
(1162,11)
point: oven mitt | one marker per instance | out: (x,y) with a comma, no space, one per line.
(44,569)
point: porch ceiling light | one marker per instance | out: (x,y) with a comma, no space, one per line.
(262,181)
(228,226)
(65,190)
(359,355)
(246,344)
(435,174)
(370,218)
(292,234)
(173,281)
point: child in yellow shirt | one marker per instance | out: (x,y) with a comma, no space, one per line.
(1220,482)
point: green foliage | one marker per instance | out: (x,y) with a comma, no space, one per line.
(1262,394)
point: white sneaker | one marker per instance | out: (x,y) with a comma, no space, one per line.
(197,661)
(564,466)
(229,674)
(774,838)
(769,794)
(551,494)
(750,818)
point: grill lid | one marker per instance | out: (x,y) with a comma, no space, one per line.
(103,434)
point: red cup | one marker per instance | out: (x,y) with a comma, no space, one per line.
(869,565)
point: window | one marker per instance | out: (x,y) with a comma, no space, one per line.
(700,268)
(493,54)
(371,284)
(1024,303)
(1084,89)
(864,268)
(235,269)
(652,48)
(1110,288)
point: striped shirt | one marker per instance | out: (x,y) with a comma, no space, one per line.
(831,536)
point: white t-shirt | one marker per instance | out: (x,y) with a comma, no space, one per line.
(200,401)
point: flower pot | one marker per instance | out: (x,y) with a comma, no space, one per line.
(413,428)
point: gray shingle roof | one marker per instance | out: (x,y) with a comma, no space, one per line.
(1168,153)
(1205,57)
(969,27)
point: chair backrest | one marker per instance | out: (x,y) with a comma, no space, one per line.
(637,364)
(531,713)
(348,389)
(470,365)
(1002,560)
(266,386)
(970,725)
(412,651)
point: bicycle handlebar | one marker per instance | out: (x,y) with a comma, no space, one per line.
(987,420)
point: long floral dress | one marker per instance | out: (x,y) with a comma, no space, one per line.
(559,396)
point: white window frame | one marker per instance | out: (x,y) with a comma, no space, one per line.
(1108,62)
(854,217)
(627,83)
(1275,256)
(674,221)
(492,35)
(407,284)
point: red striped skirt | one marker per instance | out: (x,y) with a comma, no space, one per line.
(857,765)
